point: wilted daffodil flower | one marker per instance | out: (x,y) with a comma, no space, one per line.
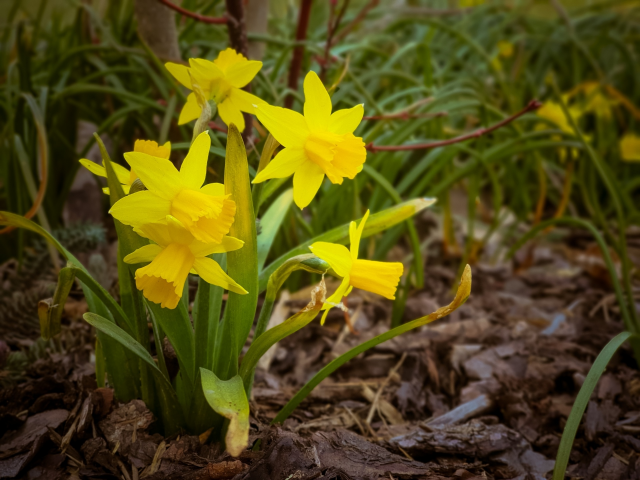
(317,144)
(206,211)
(221,81)
(174,255)
(376,277)
(125,176)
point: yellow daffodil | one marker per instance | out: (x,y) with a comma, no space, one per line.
(505,49)
(125,176)
(553,112)
(630,147)
(206,211)
(174,255)
(221,81)
(376,277)
(317,144)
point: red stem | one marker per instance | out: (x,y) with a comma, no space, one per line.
(533,105)
(405,116)
(193,15)
(298,52)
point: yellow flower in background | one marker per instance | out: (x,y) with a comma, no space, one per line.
(317,144)
(221,81)
(505,49)
(597,100)
(376,277)
(206,211)
(630,147)
(174,255)
(125,176)
(553,112)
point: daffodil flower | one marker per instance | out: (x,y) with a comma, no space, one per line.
(630,147)
(126,177)
(174,255)
(376,277)
(206,211)
(317,144)
(221,81)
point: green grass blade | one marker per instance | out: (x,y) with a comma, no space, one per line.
(579,406)
(270,224)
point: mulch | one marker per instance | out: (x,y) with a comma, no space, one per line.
(483,393)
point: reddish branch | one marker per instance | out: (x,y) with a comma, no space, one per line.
(193,15)
(405,116)
(298,51)
(533,105)
(332,28)
(354,23)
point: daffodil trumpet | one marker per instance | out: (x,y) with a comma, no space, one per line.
(317,144)
(381,278)
(174,254)
(126,177)
(207,212)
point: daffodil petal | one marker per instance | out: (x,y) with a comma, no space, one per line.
(355,234)
(377,277)
(306,183)
(190,111)
(194,167)
(180,72)
(337,256)
(212,273)
(93,167)
(122,173)
(157,232)
(158,174)
(285,163)
(143,254)
(228,58)
(229,114)
(245,101)
(339,293)
(214,189)
(241,73)
(289,128)
(140,208)
(229,244)
(317,103)
(178,232)
(346,120)
(205,69)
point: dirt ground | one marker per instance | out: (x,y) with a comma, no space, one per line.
(483,393)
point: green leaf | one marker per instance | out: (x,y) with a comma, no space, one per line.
(50,311)
(590,382)
(461,296)
(376,223)
(172,416)
(242,263)
(227,398)
(270,224)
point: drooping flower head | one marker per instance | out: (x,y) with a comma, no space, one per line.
(126,177)
(174,255)
(376,277)
(206,211)
(317,144)
(221,81)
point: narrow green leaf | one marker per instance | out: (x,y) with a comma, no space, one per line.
(461,296)
(270,224)
(172,416)
(227,398)
(590,382)
(241,264)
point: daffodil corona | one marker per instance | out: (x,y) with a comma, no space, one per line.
(206,211)
(174,255)
(376,277)
(221,81)
(126,177)
(317,144)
